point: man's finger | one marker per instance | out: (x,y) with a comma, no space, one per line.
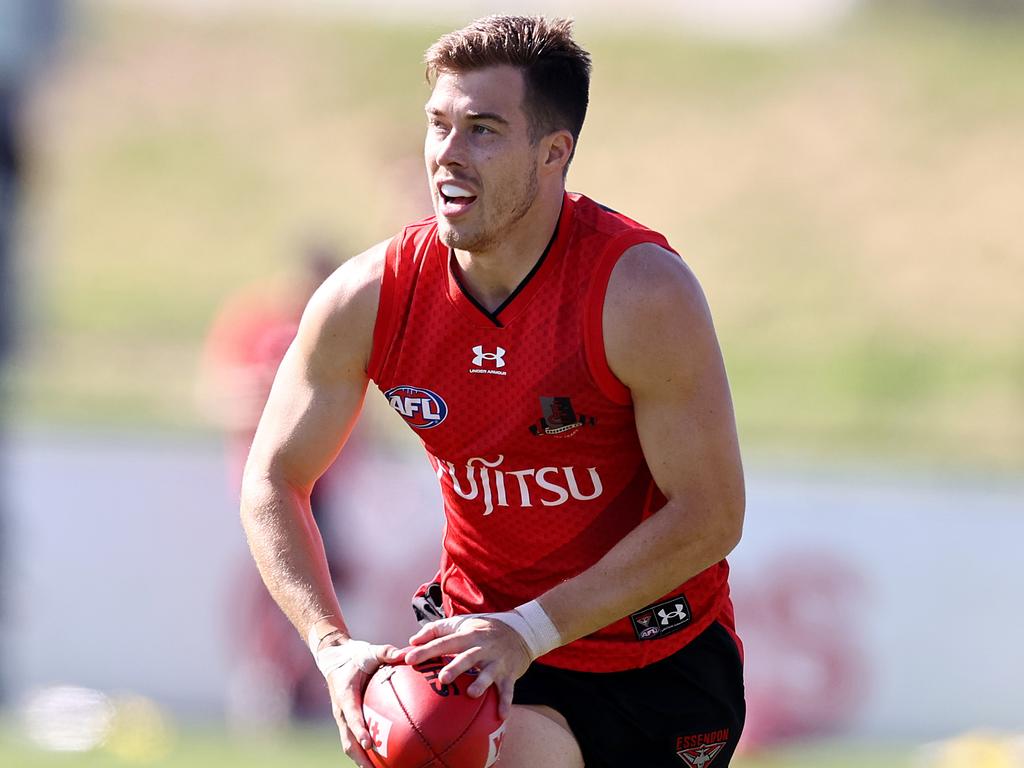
(436,629)
(352,711)
(355,753)
(483,679)
(440,647)
(368,658)
(387,654)
(358,756)
(461,663)
(505,691)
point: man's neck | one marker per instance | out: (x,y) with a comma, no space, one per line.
(490,276)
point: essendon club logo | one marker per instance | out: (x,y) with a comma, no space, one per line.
(645,626)
(700,750)
(662,619)
(559,418)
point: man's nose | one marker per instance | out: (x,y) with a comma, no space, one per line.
(450,150)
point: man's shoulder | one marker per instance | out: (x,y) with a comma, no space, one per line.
(337,327)
(342,311)
(357,279)
(417,233)
(601,219)
(629,254)
(648,273)
(654,306)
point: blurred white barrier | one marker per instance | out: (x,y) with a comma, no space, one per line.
(871,605)
(882,605)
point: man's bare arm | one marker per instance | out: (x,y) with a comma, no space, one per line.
(660,342)
(315,400)
(313,405)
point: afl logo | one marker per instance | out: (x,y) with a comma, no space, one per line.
(421,408)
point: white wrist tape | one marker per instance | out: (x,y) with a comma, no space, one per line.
(358,652)
(316,636)
(533,624)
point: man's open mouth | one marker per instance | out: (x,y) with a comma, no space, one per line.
(454,198)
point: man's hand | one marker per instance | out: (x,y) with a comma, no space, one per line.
(347,683)
(476,641)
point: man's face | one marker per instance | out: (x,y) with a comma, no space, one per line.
(481,164)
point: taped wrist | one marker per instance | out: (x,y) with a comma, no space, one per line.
(358,652)
(333,657)
(319,631)
(533,624)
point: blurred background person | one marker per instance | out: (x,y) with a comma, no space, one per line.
(243,349)
(29,30)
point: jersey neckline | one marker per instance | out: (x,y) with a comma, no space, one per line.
(513,306)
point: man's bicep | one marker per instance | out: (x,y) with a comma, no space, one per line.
(305,422)
(688,436)
(660,341)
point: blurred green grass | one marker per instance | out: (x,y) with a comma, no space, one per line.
(851,205)
(209,749)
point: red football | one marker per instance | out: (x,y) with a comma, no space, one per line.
(416,722)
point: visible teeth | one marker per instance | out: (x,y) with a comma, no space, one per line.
(451,190)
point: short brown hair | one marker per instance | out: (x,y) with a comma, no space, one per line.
(556,70)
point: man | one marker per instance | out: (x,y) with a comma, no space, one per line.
(559,363)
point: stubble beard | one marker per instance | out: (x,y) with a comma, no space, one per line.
(488,233)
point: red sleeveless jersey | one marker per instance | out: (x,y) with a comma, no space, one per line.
(531,435)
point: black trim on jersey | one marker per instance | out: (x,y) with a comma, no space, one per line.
(472,300)
(531,273)
(606,209)
(493,316)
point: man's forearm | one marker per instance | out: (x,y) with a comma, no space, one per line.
(289,553)
(665,550)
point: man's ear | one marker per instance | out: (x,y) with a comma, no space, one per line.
(557,151)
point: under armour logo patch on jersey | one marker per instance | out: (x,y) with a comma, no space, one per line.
(673,617)
(497,357)
(662,619)
(488,362)
(421,408)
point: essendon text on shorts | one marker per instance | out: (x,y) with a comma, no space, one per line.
(700,739)
(547,486)
(700,750)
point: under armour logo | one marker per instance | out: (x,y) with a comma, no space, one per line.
(679,614)
(497,357)
(663,619)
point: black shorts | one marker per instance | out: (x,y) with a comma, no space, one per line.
(685,710)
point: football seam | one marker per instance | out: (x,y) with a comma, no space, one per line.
(482,700)
(418,732)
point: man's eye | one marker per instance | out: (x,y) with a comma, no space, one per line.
(481,129)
